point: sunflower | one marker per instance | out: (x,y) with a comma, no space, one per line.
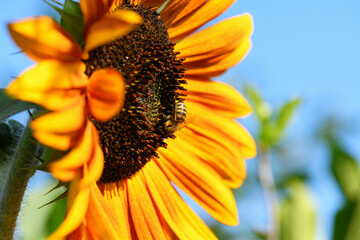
(111,104)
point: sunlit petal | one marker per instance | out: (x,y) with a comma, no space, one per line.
(206,44)
(60,130)
(78,155)
(77,205)
(93,10)
(196,19)
(51,84)
(42,38)
(151,3)
(178,9)
(218,97)
(217,65)
(200,182)
(142,210)
(100,219)
(181,219)
(111,27)
(117,199)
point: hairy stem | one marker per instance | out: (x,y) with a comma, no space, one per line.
(20,169)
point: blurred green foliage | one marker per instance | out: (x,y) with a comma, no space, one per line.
(297,211)
(292,201)
(272,124)
(347,174)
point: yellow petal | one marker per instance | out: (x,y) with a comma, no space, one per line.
(106,94)
(51,84)
(196,19)
(95,164)
(214,125)
(81,233)
(218,97)
(42,38)
(60,130)
(111,27)
(220,143)
(78,200)
(78,155)
(178,215)
(100,219)
(150,3)
(177,9)
(62,122)
(142,209)
(117,199)
(217,65)
(86,152)
(200,182)
(64,175)
(93,10)
(215,40)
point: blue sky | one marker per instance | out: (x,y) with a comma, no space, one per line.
(307,48)
(311,49)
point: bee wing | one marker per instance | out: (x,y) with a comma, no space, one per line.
(190,117)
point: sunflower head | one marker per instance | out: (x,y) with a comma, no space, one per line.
(152,73)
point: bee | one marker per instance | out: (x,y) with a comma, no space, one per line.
(178,120)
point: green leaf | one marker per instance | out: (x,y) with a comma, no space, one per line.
(347,221)
(346,171)
(285,114)
(298,218)
(9,107)
(71,19)
(261,108)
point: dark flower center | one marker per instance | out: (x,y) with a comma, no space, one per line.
(152,73)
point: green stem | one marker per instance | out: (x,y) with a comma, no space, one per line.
(20,170)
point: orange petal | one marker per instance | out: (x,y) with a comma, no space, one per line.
(150,3)
(77,205)
(196,19)
(100,219)
(117,199)
(95,164)
(79,154)
(218,97)
(142,209)
(93,10)
(42,38)
(218,39)
(220,143)
(86,152)
(80,233)
(60,130)
(216,125)
(51,84)
(64,175)
(177,9)
(178,215)
(106,93)
(111,27)
(200,182)
(215,66)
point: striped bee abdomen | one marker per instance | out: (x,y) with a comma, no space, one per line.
(180,112)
